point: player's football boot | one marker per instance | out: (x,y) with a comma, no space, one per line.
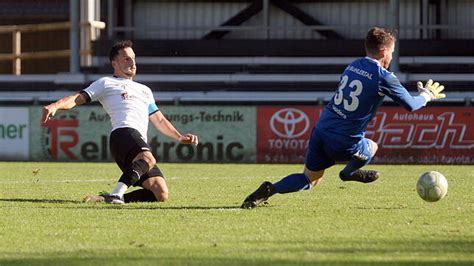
(93,198)
(364,176)
(258,196)
(113,199)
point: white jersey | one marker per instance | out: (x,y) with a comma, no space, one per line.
(127,102)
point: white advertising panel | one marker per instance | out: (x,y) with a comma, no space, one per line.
(14,133)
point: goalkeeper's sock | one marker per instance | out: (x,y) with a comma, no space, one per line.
(140,195)
(291,183)
(120,189)
(352,166)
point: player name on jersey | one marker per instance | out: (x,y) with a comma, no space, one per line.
(360,72)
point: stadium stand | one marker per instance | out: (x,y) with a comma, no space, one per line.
(219,67)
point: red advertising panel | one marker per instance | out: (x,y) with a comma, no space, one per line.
(283,132)
(433,135)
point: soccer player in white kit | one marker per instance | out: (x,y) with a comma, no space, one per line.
(130,106)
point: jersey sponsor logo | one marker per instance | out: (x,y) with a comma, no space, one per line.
(289,123)
(124,95)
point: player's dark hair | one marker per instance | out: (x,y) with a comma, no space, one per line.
(378,38)
(119,45)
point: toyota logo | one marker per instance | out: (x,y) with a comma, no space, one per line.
(289,123)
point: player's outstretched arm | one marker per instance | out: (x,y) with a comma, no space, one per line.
(162,124)
(431,90)
(65,103)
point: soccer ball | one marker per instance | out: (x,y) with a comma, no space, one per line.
(432,186)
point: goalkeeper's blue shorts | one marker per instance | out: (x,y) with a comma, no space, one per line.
(325,149)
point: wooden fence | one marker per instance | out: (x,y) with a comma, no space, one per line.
(16,56)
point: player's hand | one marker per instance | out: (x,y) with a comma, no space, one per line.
(431,91)
(48,112)
(189,139)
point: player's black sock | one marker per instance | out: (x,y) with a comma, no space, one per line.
(130,177)
(140,195)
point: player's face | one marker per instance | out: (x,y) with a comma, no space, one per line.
(124,64)
(388,55)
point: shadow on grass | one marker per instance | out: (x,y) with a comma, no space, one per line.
(211,260)
(128,206)
(40,200)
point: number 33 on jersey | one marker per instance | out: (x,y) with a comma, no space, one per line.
(361,90)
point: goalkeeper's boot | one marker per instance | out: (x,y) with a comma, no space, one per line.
(258,196)
(113,199)
(364,176)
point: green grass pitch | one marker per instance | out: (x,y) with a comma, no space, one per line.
(44,222)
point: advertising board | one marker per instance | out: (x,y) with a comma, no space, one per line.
(432,135)
(14,133)
(226,134)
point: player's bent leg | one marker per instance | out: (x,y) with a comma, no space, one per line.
(158,186)
(129,177)
(141,164)
(314,177)
(298,181)
(363,176)
(373,147)
(139,195)
(113,199)
(154,189)
(291,183)
(148,157)
(352,171)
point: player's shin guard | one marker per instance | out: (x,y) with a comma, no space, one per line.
(140,195)
(291,183)
(130,177)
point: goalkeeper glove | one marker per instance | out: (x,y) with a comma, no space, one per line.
(431,91)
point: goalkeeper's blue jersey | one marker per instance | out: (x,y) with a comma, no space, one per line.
(362,87)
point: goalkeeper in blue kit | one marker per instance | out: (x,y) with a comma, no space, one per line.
(338,136)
